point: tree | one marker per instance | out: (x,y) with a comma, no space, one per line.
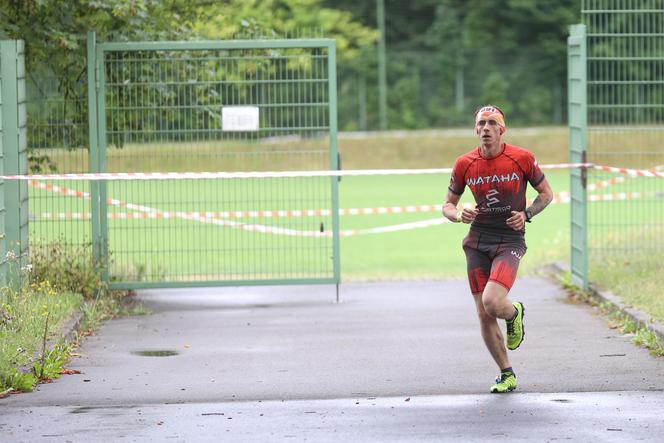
(55,35)
(522,40)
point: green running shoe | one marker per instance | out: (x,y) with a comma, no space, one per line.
(515,330)
(506,383)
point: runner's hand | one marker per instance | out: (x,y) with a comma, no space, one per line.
(468,215)
(517,221)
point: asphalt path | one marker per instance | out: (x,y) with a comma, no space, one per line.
(394,361)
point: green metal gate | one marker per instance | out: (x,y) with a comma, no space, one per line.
(264,105)
(624,96)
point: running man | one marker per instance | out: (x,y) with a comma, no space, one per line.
(497,174)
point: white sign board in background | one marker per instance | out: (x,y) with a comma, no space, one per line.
(239,118)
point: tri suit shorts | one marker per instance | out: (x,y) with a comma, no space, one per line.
(492,257)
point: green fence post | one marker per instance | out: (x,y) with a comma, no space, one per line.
(93,143)
(96,124)
(578,136)
(102,163)
(15,158)
(334,157)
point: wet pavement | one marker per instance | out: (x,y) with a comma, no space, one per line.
(396,361)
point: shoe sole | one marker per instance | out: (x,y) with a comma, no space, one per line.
(523,327)
(510,389)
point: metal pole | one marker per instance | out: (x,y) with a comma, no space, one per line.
(460,98)
(363,103)
(93,148)
(14,144)
(334,158)
(382,75)
(578,141)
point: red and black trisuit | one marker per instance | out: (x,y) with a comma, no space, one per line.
(493,249)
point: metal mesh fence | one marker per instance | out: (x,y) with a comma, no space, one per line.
(57,143)
(3,247)
(625,126)
(217,109)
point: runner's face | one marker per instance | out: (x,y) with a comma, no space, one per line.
(488,130)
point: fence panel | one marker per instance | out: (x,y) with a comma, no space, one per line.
(15,161)
(625,128)
(3,247)
(57,143)
(216,106)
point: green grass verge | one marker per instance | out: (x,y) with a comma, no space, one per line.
(634,274)
(59,283)
(37,312)
(616,319)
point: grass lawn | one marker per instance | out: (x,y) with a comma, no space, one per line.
(634,269)
(432,252)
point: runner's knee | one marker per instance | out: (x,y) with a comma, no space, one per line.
(491,306)
(484,316)
(492,299)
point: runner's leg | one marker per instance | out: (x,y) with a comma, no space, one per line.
(479,270)
(504,267)
(495,301)
(492,335)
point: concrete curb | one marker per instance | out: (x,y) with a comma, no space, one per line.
(67,331)
(640,318)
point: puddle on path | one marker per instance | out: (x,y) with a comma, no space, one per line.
(156,353)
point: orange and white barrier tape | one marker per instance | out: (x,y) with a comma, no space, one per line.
(562,197)
(257,214)
(124,176)
(630,172)
(221,217)
(620,179)
(605,183)
(85,195)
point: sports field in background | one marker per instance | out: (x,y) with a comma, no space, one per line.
(418,253)
(430,252)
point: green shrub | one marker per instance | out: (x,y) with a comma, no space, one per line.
(68,268)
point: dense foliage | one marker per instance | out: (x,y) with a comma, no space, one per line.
(55,35)
(445,57)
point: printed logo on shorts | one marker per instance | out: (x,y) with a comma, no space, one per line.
(517,255)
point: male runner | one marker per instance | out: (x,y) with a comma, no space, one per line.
(496,174)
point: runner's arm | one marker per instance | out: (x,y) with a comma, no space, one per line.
(544,197)
(451,212)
